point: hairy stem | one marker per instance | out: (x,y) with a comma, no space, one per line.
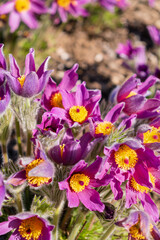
(18,133)
(108,232)
(77,226)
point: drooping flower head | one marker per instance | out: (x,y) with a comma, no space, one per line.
(73,7)
(37,172)
(23,10)
(79,186)
(139,226)
(30,83)
(79,105)
(52,96)
(27,226)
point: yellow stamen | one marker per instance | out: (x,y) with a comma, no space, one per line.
(31,228)
(22,5)
(62,148)
(152,135)
(132,93)
(104,127)
(125,157)
(0,98)
(21,80)
(136,232)
(36,181)
(65,3)
(139,188)
(3,16)
(56,100)
(78,113)
(78,182)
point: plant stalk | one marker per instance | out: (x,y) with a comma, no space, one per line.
(77,226)
(18,133)
(108,232)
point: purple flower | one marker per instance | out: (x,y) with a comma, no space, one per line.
(73,7)
(36,172)
(23,10)
(127,51)
(151,2)
(32,82)
(79,186)
(4,97)
(111,4)
(3,64)
(27,226)
(139,226)
(2,191)
(50,126)
(133,94)
(70,151)
(52,94)
(154,34)
(79,105)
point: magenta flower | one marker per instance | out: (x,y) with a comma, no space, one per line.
(73,7)
(32,82)
(52,94)
(139,226)
(4,97)
(133,93)
(3,64)
(79,186)
(36,172)
(2,191)
(23,10)
(111,4)
(151,2)
(79,105)
(127,51)
(70,151)
(154,34)
(27,226)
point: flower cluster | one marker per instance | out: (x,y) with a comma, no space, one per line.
(87,153)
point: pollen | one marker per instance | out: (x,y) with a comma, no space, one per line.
(22,5)
(62,148)
(65,3)
(152,135)
(56,100)
(36,180)
(31,228)
(132,93)
(126,158)
(78,113)
(21,80)
(104,127)
(78,182)
(136,232)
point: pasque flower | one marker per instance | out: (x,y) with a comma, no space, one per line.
(36,172)
(52,96)
(3,64)
(2,191)
(22,10)
(73,7)
(154,34)
(27,226)
(30,83)
(139,226)
(79,186)
(127,51)
(4,97)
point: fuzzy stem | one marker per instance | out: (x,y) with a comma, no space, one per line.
(77,226)
(18,133)
(5,155)
(29,135)
(108,232)
(18,202)
(56,219)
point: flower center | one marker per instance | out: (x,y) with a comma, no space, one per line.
(152,135)
(31,228)
(125,157)
(139,188)
(136,232)
(22,5)
(78,113)
(56,100)
(65,3)
(21,80)
(132,93)
(104,127)
(33,180)
(62,148)
(78,182)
